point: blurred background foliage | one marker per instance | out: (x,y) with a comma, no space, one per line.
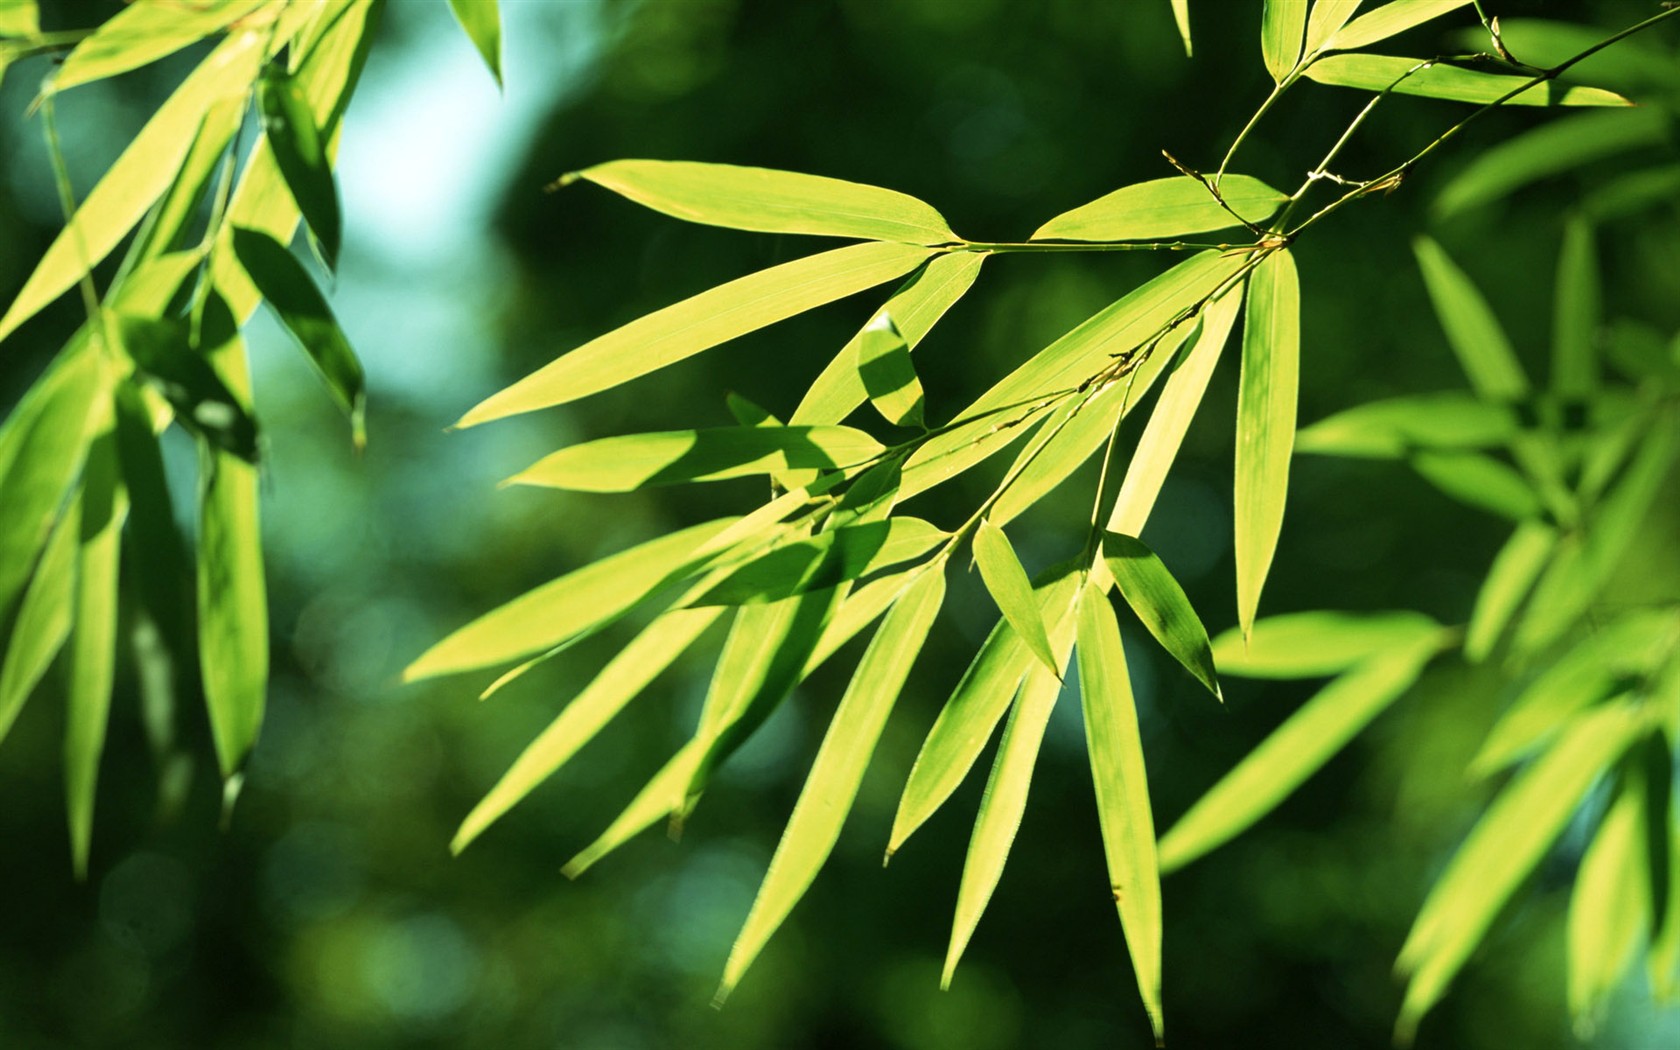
(328,912)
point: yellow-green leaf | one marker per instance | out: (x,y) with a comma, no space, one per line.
(19,18)
(1479,481)
(888,376)
(482,22)
(142,33)
(1283,26)
(300,151)
(848,552)
(1161,604)
(1509,579)
(1612,902)
(1416,76)
(1265,422)
(1475,334)
(43,620)
(1181,16)
(1164,208)
(1394,427)
(652,803)
(1550,149)
(1316,644)
(1010,588)
(1325,21)
(1391,18)
(631,461)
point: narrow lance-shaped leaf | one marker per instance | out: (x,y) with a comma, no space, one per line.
(1181,16)
(667,336)
(1160,603)
(1391,18)
(1472,330)
(832,557)
(771,201)
(232,606)
(482,22)
(1479,481)
(19,18)
(1575,322)
(1265,422)
(43,620)
(141,34)
(1509,579)
(632,461)
(1122,787)
(835,776)
(165,358)
(1416,76)
(1663,957)
(1171,207)
(651,804)
(1283,27)
(1550,149)
(300,151)
(1009,587)
(1389,429)
(1325,21)
(1315,644)
(1612,902)
(889,377)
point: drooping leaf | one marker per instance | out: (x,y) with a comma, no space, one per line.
(772,201)
(1576,318)
(1416,76)
(667,336)
(1181,16)
(166,360)
(1296,750)
(1122,787)
(1316,644)
(1010,588)
(141,34)
(1389,429)
(1509,579)
(651,804)
(632,461)
(299,149)
(43,620)
(837,555)
(1548,150)
(1161,605)
(1472,330)
(837,772)
(888,376)
(1391,18)
(1265,421)
(1479,481)
(1164,208)
(482,22)
(1612,902)
(1283,27)
(1326,20)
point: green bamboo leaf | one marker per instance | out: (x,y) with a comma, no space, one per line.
(1171,207)
(1181,16)
(915,308)
(137,179)
(166,230)
(1316,644)
(1122,786)
(1265,421)
(1501,851)
(141,34)
(1575,322)
(1160,603)
(1612,902)
(567,608)
(620,682)
(1550,149)
(1295,751)
(837,772)
(165,359)
(1006,581)
(1170,420)
(43,620)
(19,18)
(482,22)
(1663,957)
(1655,759)
(968,718)
(1394,17)
(859,607)
(667,336)
(771,201)
(1631,192)
(848,552)
(1475,334)
(1416,76)
(1326,20)
(1479,481)
(299,149)
(1508,582)
(651,804)
(1634,62)
(632,461)
(291,292)
(104,505)
(1451,420)
(1283,26)
(888,376)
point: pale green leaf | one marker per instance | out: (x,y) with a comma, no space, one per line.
(1577,314)
(1416,76)
(667,336)
(1315,644)
(1612,902)
(1391,18)
(232,607)
(651,804)
(1663,959)
(300,151)
(1548,150)
(483,24)
(43,620)
(837,772)
(19,18)
(1295,751)
(772,201)
(1161,604)
(631,461)
(1479,481)
(142,33)
(1509,579)
(1122,787)
(1451,420)
(1181,16)
(1164,208)
(888,376)
(1483,350)
(1265,421)
(1283,26)
(1325,21)
(848,552)
(1010,588)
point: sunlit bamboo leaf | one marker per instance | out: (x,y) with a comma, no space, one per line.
(43,619)
(1634,62)
(1122,786)
(631,461)
(1548,150)
(1391,18)
(1315,644)
(299,149)
(1010,588)
(19,18)
(1283,27)
(888,376)
(1181,16)
(837,772)
(772,201)
(848,552)
(1389,429)
(1663,956)
(164,357)
(1612,902)
(1295,751)
(1171,207)
(166,229)
(1161,605)
(482,22)
(1479,481)
(1508,582)
(1325,21)
(141,34)
(651,805)
(1575,322)
(1265,421)
(1483,350)
(1416,76)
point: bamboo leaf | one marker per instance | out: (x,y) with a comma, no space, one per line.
(888,376)
(1295,751)
(164,357)
(1416,76)
(1479,481)
(1575,322)
(1391,18)
(141,34)
(1122,787)
(1475,334)
(1181,16)
(19,18)
(1265,422)
(651,804)
(299,149)
(1160,603)
(632,461)
(1006,581)
(1634,62)
(667,336)
(771,201)
(1283,27)
(1508,582)
(1164,208)
(1325,21)
(482,22)
(1663,957)
(1316,644)
(1392,428)
(848,552)
(1612,902)
(43,620)
(838,770)
(1550,149)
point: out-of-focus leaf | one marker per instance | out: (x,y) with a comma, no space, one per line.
(1479,481)
(1283,27)
(1158,208)
(1122,786)
(1265,421)
(568,608)
(142,33)
(1169,421)
(291,292)
(163,573)
(620,682)
(1663,958)
(838,769)
(1632,192)
(1160,603)
(632,461)
(1631,63)
(1296,750)
(1391,18)
(1452,83)
(772,201)
(1612,902)
(1475,334)
(164,357)
(1509,579)
(1010,588)
(1500,852)
(43,620)
(849,552)
(889,378)
(1575,322)
(482,22)
(299,149)
(1389,429)
(1181,16)
(1325,21)
(667,336)
(1640,352)
(19,18)
(1315,644)
(1548,150)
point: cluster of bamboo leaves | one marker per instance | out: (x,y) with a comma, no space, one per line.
(790,582)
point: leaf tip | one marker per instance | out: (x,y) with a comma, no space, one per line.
(563,181)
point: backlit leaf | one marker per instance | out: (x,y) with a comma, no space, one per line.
(483,24)
(1315,644)
(1181,16)
(19,18)
(1392,428)
(1391,18)
(631,461)
(300,151)
(1509,579)
(1416,76)
(831,557)
(1550,149)
(888,376)
(1159,208)
(1009,587)
(1283,27)
(651,804)
(1265,421)
(166,360)
(1612,902)
(43,620)
(1325,21)
(1479,481)
(1475,334)
(1161,605)
(141,34)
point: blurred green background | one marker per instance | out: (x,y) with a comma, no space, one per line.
(328,913)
